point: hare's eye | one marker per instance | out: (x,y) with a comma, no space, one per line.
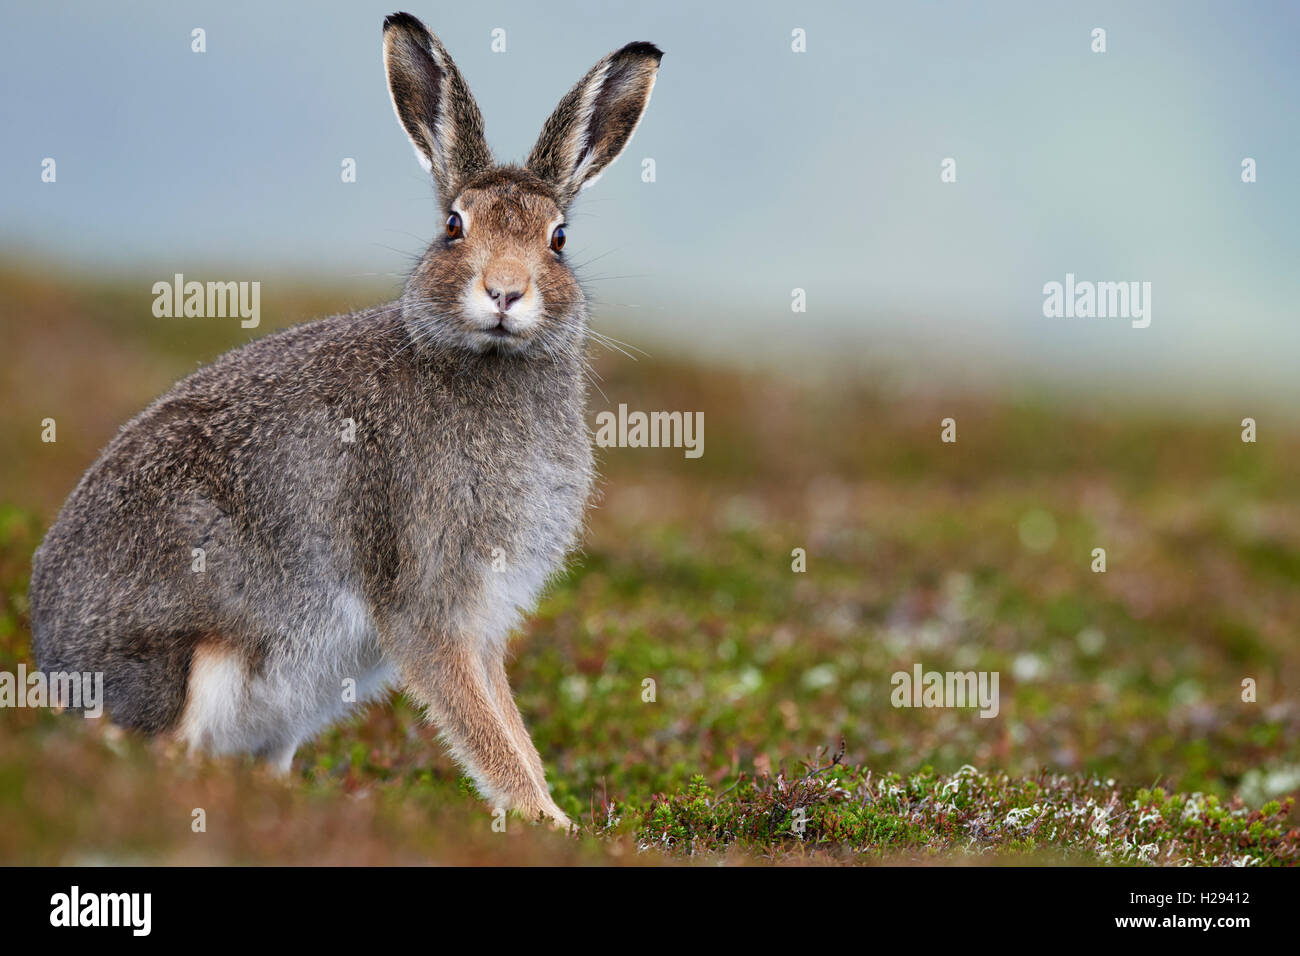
(454,228)
(557,238)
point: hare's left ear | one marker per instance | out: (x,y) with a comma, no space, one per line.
(434,105)
(595,120)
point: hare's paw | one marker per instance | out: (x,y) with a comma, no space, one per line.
(556,819)
(544,812)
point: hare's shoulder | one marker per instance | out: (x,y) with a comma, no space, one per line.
(246,387)
(318,351)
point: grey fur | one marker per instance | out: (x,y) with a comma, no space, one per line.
(455,454)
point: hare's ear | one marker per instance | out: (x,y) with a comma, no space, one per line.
(433,104)
(595,120)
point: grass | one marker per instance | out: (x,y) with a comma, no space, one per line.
(1122,735)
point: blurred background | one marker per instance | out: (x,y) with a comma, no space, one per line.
(774,171)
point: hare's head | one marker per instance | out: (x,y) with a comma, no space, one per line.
(495,278)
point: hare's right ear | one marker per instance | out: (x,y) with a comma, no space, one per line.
(434,105)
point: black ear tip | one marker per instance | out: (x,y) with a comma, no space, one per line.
(402,21)
(642,48)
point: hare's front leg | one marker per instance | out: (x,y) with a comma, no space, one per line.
(454,685)
(495,666)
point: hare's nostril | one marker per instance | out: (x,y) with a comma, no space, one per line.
(505,299)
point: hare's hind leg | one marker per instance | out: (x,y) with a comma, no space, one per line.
(455,687)
(279,756)
(213,699)
(223,713)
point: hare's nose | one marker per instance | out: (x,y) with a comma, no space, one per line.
(506,282)
(505,298)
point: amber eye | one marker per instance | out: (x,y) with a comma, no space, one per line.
(454,229)
(557,238)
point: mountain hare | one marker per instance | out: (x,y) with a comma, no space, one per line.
(367,498)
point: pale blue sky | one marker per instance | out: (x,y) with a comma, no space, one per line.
(775,170)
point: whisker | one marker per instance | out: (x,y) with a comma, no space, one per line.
(613,348)
(582,265)
(413,256)
(610,338)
